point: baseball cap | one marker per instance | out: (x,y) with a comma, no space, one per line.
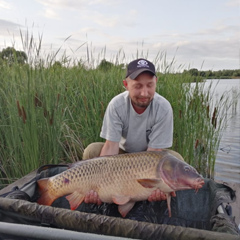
(138,66)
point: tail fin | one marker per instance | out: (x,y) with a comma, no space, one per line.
(45,197)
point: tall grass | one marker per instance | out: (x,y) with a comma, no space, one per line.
(50,112)
(198,122)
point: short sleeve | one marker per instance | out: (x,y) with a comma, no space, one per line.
(161,135)
(112,124)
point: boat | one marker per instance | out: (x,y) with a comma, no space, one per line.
(202,215)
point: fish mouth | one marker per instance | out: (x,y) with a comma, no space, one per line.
(198,183)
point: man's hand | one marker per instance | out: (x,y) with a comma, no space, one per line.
(92,197)
(158,195)
(109,148)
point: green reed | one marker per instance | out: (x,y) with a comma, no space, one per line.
(50,112)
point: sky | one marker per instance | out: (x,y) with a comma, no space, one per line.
(202,34)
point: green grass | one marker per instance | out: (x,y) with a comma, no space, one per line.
(50,113)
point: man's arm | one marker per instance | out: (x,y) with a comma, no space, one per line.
(154,149)
(110,148)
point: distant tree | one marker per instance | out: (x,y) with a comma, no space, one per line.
(236,73)
(193,72)
(202,73)
(218,74)
(57,64)
(105,65)
(9,55)
(230,73)
(209,73)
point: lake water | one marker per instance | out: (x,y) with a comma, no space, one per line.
(227,167)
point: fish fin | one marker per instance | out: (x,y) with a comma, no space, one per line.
(120,200)
(45,197)
(169,204)
(124,209)
(75,199)
(149,182)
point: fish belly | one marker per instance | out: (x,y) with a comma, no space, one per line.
(131,190)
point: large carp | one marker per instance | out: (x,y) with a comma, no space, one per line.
(122,179)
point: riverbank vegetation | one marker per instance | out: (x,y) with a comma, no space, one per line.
(50,111)
(220,74)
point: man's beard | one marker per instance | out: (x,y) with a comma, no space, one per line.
(142,104)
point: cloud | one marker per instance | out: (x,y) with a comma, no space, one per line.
(50,13)
(62,3)
(102,20)
(233,3)
(219,30)
(76,4)
(108,20)
(8,27)
(86,10)
(211,46)
(100,23)
(211,52)
(10,34)
(4,4)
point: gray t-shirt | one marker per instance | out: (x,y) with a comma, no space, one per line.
(136,132)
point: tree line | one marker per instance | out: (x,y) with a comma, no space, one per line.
(10,56)
(225,73)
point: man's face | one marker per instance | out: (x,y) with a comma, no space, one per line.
(141,90)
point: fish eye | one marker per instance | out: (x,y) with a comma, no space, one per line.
(187,168)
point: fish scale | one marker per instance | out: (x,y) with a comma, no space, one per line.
(122,179)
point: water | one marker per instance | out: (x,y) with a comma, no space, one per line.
(227,167)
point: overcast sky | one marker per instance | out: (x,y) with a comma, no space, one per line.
(202,34)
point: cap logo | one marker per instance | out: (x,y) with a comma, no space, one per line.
(142,63)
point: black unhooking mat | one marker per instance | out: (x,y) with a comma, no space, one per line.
(194,215)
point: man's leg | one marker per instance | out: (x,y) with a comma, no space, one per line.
(92,150)
(175,154)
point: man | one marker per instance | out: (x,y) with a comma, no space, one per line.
(138,119)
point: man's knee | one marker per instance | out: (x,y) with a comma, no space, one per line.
(175,154)
(92,150)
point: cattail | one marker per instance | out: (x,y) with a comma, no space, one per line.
(51,119)
(37,101)
(24,116)
(214,113)
(208,111)
(19,109)
(215,123)
(196,144)
(180,114)
(214,119)
(45,112)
